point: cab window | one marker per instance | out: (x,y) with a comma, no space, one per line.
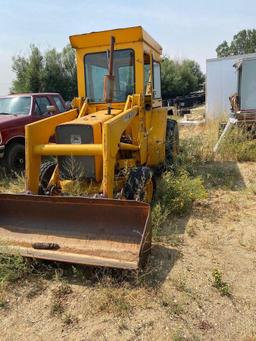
(156,80)
(147,75)
(96,67)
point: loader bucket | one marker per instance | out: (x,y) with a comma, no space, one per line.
(99,232)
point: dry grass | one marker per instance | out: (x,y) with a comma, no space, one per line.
(12,185)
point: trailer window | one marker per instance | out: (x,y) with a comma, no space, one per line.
(96,67)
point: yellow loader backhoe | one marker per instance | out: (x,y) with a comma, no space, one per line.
(108,147)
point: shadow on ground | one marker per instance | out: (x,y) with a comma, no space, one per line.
(160,262)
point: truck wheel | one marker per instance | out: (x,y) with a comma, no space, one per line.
(140,185)
(46,172)
(172,141)
(15,158)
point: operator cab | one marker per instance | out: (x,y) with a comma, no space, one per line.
(136,66)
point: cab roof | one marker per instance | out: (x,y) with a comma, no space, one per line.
(122,36)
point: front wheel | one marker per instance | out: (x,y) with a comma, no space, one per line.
(15,158)
(140,185)
(46,172)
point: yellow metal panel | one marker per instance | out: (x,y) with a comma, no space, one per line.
(156,137)
(122,35)
(94,118)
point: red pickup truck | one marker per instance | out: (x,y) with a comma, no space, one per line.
(15,112)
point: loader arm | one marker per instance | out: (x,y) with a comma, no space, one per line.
(112,131)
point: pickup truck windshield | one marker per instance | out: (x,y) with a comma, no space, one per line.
(15,105)
(96,67)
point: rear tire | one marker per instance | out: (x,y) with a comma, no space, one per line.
(46,172)
(15,158)
(140,185)
(172,141)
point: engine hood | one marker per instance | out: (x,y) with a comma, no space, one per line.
(7,118)
(10,120)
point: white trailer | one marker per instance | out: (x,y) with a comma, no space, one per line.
(221,83)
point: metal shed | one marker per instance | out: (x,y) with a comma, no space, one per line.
(221,83)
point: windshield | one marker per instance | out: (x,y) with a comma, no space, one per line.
(15,105)
(96,67)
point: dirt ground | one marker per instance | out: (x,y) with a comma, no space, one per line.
(175,299)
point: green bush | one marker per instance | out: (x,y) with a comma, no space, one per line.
(178,191)
(175,195)
(12,268)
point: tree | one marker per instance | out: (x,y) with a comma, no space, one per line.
(28,72)
(69,64)
(52,72)
(180,78)
(243,42)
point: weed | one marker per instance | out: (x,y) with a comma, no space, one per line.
(180,284)
(59,298)
(77,272)
(191,231)
(219,284)
(115,302)
(175,195)
(178,337)
(13,268)
(159,216)
(37,288)
(57,308)
(3,304)
(69,319)
(205,325)
(62,291)
(172,306)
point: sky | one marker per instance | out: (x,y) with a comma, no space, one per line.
(185,29)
